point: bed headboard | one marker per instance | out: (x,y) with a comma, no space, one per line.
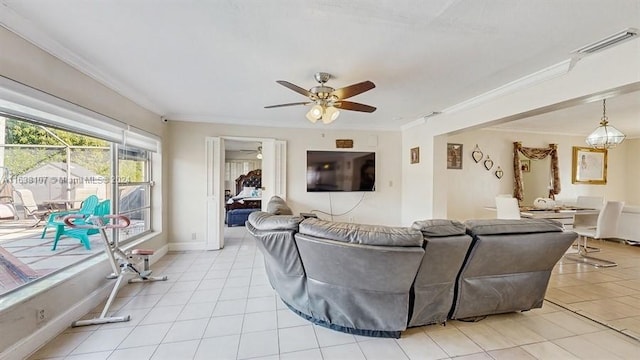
(252,179)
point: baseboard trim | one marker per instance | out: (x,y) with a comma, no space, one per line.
(190,246)
(30,344)
(158,254)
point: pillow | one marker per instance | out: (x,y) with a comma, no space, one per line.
(277,206)
(256,193)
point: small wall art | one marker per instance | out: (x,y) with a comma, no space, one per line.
(477,154)
(415,155)
(454,156)
(525,165)
(488,163)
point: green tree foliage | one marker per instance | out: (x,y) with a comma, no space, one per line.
(22,159)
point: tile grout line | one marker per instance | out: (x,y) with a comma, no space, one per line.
(594,320)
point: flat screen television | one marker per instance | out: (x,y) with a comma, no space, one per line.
(341,171)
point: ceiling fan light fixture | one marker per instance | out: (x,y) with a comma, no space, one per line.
(315,113)
(330,114)
(326,100)
(605,136)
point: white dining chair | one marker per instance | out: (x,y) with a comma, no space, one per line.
(588,220)
(606,227)
(507,208)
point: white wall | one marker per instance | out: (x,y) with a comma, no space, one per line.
(187,169)
(473,188)
(66,301)
(597,74)
(632,188)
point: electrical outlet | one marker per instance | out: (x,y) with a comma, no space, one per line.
(41,316)
(193,236)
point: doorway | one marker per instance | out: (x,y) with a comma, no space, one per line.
(273,182)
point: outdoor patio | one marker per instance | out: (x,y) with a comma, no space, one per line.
(25,257)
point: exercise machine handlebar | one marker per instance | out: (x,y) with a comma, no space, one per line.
(121,222)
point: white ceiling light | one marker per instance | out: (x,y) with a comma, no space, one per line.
(330,114)
(315,113)
(605,136)
(259,156)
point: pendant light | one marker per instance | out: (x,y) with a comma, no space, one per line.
(605,136)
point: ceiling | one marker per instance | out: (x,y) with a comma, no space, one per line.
(218,61)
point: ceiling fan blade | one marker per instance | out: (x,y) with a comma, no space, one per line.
(295,88)
(289,104)
(353,90)
(348,105)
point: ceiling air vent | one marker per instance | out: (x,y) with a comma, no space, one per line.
(607,42)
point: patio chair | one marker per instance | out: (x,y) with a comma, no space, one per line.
(79,194)
(55,219)
(30,207)
(101,210)
(7,207)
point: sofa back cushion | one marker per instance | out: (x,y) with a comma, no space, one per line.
(362,234)
(521,226)
(277,206)
(439,227)
(508,266)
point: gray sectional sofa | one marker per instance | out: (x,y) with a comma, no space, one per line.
(378,280)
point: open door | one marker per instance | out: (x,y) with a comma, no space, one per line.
(214,231)
(274,177)
(274,170)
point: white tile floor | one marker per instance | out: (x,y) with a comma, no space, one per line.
(219,305)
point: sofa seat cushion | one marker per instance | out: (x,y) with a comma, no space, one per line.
(265,221)
(521,226)
(439,227)
(361,234)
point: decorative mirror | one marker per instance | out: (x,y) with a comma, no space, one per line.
(488,164)
(499,173)
(553,185)
(477,155)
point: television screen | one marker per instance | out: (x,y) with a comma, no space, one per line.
(341,171)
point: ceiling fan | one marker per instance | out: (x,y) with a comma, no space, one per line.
(327,100)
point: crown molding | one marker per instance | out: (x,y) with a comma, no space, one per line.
(545,74)
(25,29)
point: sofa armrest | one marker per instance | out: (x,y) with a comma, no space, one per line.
(265,221)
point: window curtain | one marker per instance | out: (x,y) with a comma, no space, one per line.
(535,154)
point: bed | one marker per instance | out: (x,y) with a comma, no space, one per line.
(248,192)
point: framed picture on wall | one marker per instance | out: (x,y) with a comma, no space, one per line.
(525,165)
(454,156)
(589,166)
(415,155)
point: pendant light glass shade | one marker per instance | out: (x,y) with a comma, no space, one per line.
(605,136)
(330,114)
(315,113)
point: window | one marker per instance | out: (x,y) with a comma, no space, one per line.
(47,170)
(134,190)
